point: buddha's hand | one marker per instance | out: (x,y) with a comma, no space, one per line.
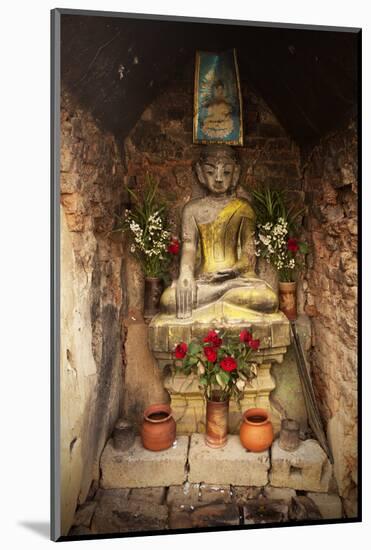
(224,275)
(185,296)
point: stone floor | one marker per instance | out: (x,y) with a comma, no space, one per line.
(198,505)
(192,486)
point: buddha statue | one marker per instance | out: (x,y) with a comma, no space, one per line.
(217,279)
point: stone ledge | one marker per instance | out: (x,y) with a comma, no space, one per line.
(230,465)
(273,330)
(138,467)
(305,469)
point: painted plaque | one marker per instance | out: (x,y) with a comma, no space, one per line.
(217,99)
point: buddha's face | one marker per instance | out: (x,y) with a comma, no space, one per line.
(218,174)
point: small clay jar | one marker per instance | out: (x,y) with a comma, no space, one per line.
(256,431)
(158,428)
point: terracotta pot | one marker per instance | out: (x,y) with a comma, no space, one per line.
(216,423)
(158,428)
(287,297)
(153,288)
(256,432)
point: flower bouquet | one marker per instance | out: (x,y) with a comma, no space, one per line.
(223,367)
(151,242)
(146,222)
(274,244)
(277,242)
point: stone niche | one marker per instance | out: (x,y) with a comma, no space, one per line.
(107,367)
(161,143)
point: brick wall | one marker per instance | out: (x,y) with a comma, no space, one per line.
(330,294)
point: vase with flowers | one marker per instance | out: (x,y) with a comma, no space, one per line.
(151,241)
(277,242)
(223,366)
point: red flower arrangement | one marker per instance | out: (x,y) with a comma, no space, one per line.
(221,363)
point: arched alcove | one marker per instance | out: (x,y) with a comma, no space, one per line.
(126,109)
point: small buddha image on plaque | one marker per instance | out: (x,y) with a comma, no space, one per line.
(217,99)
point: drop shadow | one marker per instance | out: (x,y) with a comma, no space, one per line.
(42,528)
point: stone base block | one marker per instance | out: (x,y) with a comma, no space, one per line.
(216,514)
(265,510)
(154,495)
(230,465)
(118,516)
(306,469)
(184,496)
(279,493)
(329,505)
(138,467)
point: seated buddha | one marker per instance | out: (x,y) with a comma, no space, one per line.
(217,276)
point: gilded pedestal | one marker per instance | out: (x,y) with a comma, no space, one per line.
(187,402)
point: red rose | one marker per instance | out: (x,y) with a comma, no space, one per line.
(174,246)
(213,339)
(245,336)
(228,364)
(181,350)
(292,245)
(254,344)
(210,353)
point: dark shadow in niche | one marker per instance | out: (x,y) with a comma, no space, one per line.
(42,528)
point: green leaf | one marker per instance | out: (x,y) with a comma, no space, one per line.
(193,361)
(224,376)
(203,380)
(194,348)
(220,380)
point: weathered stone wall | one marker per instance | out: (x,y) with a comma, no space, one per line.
(330,293)
(92,298)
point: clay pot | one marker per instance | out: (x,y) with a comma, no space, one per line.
(158,428)
(216,423)
(153,288)
(289,435)
(287,298)
(256,432)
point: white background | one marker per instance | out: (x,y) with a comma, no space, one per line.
(24,272)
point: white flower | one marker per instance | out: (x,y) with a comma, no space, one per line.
(265,239)
(132,248)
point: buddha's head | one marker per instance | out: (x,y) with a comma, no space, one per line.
(218,169)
